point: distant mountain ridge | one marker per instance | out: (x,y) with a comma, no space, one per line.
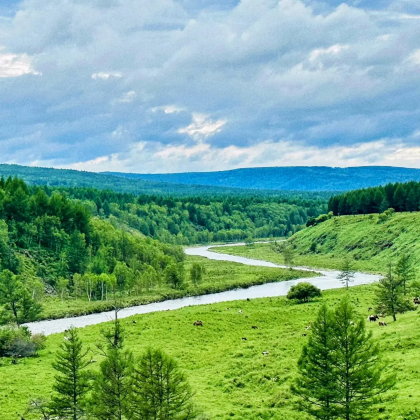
(297,178)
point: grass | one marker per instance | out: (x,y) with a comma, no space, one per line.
(231,377)
(220,276)
(372,245)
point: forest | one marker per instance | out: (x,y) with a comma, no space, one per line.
(398,196)
(52,245)
(193,220)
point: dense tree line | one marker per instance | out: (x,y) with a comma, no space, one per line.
(51,244)
(193,220)
(399,196)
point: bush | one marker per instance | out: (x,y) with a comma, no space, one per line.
(17,342)
(304,292)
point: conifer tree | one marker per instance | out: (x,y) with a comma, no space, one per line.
(72,381)
(390,295)
(358,370)
(160,389)
(405,271)
(347,274)
(316,382)
(112,386)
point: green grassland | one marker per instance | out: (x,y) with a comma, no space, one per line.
(231,377)
(219,276)
(372,245)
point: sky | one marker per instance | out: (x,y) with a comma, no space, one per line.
(156,86)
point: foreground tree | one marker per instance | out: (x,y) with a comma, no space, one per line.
(405,271)
(390,295)
(112,386)
(160,389)
(72,381)
(340,370)
(304,292)
(347,273)
(315,384)
(358,369)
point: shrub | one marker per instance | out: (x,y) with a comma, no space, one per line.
(304,292)
(17,342)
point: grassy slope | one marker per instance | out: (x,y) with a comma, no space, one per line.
(231,377)
(219,276)
(372,245)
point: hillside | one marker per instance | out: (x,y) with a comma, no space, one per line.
(70,178)
(372,245)
(300,178)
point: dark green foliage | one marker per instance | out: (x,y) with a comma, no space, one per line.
(72,381)
(315,384)
(160,389)
(405,270)
(112,385)
(196,273)
(174,275)
(17,342)
(390,298)
(340,369)
(16,299)
(304,292)
(400,197)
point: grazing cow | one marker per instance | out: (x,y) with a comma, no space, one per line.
(382,324)
(303,335)
(265,353)
(198,323)
(307,327)
(351,322)
(244,339)
(370,309)
(373,318)
(248,299)
(227,309)
(134,322)
(416,301)
(254,327)
(240,311)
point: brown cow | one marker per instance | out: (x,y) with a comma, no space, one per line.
(254,327)
(382,324)
(198,323)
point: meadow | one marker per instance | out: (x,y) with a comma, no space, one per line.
(230,376)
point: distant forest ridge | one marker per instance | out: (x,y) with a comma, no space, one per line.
(67,178)
(399,196)
(298,178)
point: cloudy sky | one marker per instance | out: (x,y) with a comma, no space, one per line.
(193,85)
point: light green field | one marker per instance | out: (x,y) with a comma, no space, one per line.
(220,276)
(371,245)
(231,377)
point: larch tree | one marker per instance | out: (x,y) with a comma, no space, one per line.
(315,384)
(72,382)
(405,271)
(112,385)
(347,273)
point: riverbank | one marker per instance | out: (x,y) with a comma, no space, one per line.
(219,277)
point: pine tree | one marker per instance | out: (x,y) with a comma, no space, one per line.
(72,381)
(390,295)
(112,386)
(340,369)
(160,389)
(358,370)
(405,271)
(316,381)
(347,274)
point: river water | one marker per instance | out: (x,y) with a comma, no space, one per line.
(327,279)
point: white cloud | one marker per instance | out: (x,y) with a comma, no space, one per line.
(128,97)
(202,127)
(106,76)
(332,50)
(14,65)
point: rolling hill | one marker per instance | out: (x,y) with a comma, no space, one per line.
(299,178)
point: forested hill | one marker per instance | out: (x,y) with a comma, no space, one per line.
(71,178)
(300,178)
(399,196)
(191,220)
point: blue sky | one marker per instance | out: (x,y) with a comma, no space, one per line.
(193,85)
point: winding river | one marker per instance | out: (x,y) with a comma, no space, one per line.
(327,279)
